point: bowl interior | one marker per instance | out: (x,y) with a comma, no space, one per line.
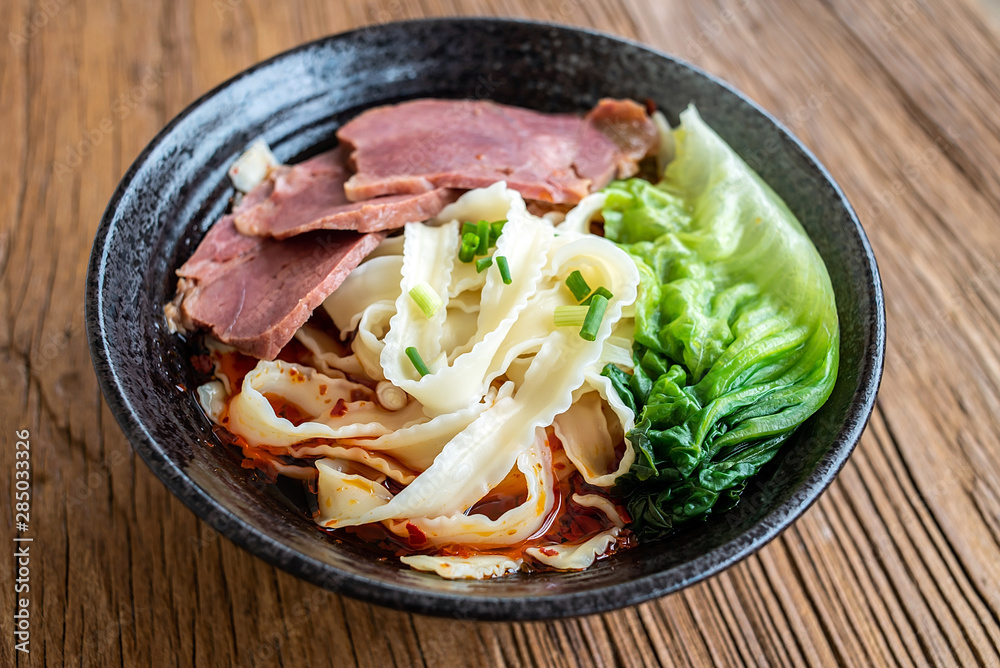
(178,187)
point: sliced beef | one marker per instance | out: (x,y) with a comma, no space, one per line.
(310,196)
(223,242)
(254,293)
(420,145)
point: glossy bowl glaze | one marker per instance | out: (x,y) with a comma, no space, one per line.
(178,187)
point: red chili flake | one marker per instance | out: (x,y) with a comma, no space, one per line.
(339,408)
(322,390)
(548,551)
(417,537)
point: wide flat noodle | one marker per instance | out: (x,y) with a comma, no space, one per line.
(252,417)
(583,431)
(388,467)
(368,344)
(601,503)
(325,358)
(475,567)
(376,280)
(496,202)
(428,257)
(348,492)
(333,413)
(512,527)
(575,557)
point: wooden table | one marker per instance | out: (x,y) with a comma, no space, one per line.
(898,563)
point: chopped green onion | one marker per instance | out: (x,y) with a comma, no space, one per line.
(483,232)
(603,291)
(425,297)
(482,264)
(504,269)
(469,228)
(577,285)
(595,314)
(470,242)
(570,316)
(496,229)
(418,362)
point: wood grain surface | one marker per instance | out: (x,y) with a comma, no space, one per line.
(897,564)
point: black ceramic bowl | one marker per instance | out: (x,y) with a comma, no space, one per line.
(178,187)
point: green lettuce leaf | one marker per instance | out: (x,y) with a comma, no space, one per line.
(736,331)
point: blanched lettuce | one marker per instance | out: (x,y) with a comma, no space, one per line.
(736,331)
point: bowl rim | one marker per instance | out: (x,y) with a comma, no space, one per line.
(589,601)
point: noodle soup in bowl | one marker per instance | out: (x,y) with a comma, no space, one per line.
(296,102)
